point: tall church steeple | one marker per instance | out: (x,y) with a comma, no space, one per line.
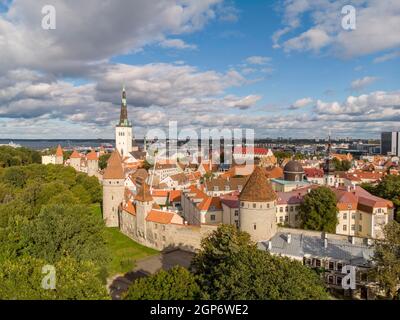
(123,131)
(123,118)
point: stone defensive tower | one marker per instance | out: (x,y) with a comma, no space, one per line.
(257,213)
(113,189)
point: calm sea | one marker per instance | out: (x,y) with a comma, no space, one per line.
(43,144)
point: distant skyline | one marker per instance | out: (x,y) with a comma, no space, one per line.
(284,68)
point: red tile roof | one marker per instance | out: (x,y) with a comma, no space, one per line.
(59,152)
(245,150)
(92,155)
(75,155)
(114,168)
(158,216)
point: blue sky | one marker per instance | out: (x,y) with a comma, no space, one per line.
(282,68)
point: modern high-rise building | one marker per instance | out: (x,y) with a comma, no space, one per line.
(390,143)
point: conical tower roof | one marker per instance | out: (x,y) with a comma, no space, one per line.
(59,152)
(92,155)
(75,155)
(144,194)
(114,168)
(257,188)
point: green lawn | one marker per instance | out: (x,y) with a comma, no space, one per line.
(124,251)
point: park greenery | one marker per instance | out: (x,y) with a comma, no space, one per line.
(388,188)
(387,260)
(45,218)
(343,165)
(230,267)
(10,156)
(175,284)
(318,211)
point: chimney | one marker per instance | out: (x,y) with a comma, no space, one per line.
(348,188)
(325,242)
(289,238)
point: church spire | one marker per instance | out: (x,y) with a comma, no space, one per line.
(123,119)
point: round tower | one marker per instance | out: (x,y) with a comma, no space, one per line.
(257,213)
(113,190)
(144,203)
(92,163)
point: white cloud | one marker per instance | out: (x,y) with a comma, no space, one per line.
(177,44)
(377,27)
(301,103)
(387,57)
(360,84)
(258,60)
(313,39)
(88,33)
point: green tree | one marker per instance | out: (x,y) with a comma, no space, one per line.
(22,278)
(175,284)
(387,259)
(64,230)
(14,176)
(229,266)
(318,210)
(344,165)
(388,188)
(103,160)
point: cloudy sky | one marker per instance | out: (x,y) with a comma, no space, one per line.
(283,68)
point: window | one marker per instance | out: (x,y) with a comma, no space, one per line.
(163,227)
(360,228)
(345,216)
(353,227)
(353,216)
(330,279)
(339,267)
(254,205)
(317,263)
(281,209)
(236,213)
(254,226)
(286,218)
(216,188)
(163,238)
(267,205)
(344,227)
(227,188)
(155,226)
(280,219)
(212,217)
(339,281)
(291,209)
(242,204)
(360,216)
(331,265)
(286,209)
(155,236)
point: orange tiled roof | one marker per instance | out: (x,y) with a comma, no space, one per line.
(75,155)
(92,155)
(175,195)
(257,188)
(159,193)
(143,194)
(130,208)
(114,168)
(210,203)
(158,216)
(59,152)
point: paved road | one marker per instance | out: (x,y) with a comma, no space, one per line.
(150,265)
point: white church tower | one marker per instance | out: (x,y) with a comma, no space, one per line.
(123,131)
